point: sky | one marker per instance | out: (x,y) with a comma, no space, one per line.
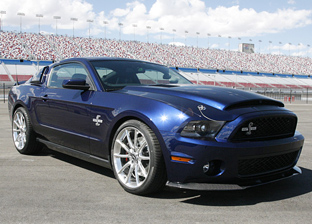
(273,26)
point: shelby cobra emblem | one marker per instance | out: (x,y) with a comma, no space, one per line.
(97,120)
(249,128)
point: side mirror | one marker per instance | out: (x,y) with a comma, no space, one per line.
(75,84)
(166,76)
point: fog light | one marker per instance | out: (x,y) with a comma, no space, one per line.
(206,168)
(214,168)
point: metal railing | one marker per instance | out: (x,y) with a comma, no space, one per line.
(4,91)
(286,96)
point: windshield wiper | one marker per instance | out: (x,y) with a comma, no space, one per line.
(164,85)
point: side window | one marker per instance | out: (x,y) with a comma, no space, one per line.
(66,72)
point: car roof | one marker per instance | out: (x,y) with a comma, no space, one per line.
(100,59)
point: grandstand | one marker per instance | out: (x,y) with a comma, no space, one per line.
(22,54)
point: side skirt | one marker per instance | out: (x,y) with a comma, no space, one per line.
(77,154)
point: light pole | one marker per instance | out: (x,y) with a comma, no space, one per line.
(289,48)
(260,46)
(105,24)
(186,32)
(56,18)
(89,21)
(298,48)
(21,14)
(219,41)
(197,33)
(148,28)
(208,35)
(161,31)
(308,50)
(134,26)
(1,22)
(229,42)
(120,25)
(279,48)
(39,16)
(73,19)
(270,42)
(173,31)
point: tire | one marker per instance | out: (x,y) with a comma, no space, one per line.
(24,137)
(137,159)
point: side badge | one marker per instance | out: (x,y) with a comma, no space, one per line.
(97,120)
(201,107)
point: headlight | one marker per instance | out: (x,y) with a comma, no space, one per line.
(202,129)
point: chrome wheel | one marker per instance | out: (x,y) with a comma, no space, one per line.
(24,137)
(19,130)
(131,155)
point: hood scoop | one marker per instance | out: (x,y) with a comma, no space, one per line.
(250,103)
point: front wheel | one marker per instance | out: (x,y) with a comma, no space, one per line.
(137,159)
(24,137)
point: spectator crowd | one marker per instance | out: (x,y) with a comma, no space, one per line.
(51,47)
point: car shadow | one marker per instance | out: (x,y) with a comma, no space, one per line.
(280,190)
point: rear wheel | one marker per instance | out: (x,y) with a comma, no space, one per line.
(137,159)
(24,137)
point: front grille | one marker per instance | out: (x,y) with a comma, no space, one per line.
(264,128)
(263,165)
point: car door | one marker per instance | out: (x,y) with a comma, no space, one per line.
(63,113)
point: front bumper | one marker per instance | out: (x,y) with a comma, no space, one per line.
(223,187)
(237,165)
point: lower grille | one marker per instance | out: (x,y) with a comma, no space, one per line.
(259,166)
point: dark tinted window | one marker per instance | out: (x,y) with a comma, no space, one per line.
(66,72)
(117,74)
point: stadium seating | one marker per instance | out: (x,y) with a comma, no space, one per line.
(257,70)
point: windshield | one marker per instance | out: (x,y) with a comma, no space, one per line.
(118,74)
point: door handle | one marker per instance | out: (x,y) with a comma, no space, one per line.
(45,97)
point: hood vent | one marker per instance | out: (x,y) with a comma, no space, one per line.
(251,103)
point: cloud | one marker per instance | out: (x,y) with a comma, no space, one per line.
(194,16)
(182,15)
(179,44)
(66,9)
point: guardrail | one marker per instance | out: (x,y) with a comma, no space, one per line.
(4,90)
(289,96)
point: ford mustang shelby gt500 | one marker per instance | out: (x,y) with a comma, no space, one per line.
(153,127)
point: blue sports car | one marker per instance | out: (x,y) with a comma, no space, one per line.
(153,127)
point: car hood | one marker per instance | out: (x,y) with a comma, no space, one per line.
(216,103)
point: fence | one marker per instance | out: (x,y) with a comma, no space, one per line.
(289,96)
(284,95)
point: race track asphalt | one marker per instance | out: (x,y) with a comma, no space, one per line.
(55,188)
